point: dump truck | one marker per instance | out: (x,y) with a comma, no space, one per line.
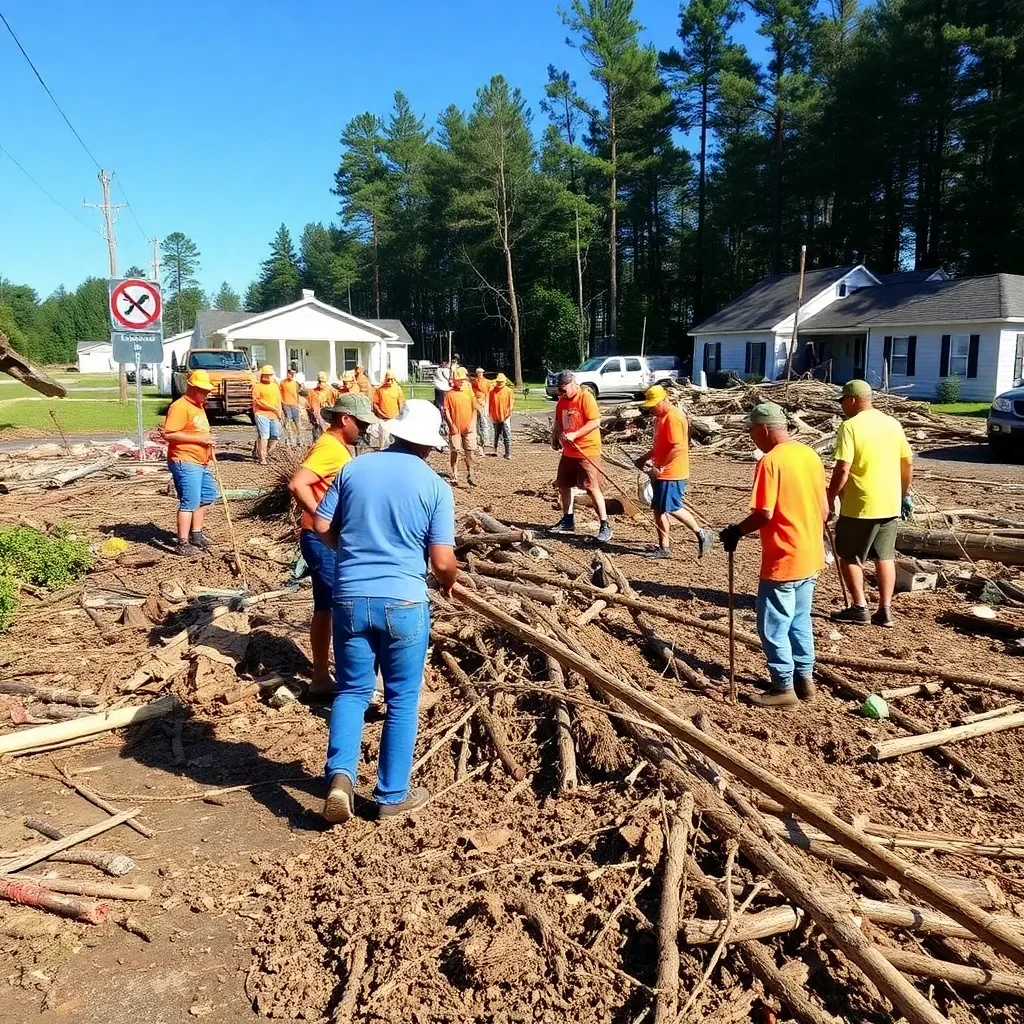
(232,376)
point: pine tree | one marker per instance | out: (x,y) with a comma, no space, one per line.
(136,271)
(179,262)
(227,299)
(280,279)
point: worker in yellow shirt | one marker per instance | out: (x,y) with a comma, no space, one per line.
(266,410)
(389,398)
(347,420)
(290,408)
(501,400)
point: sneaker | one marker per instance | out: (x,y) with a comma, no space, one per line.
(507,457)
(705,540)
(804,687)
(471,480)
(775,699)
(326,689)
(340,800)
(604,534)
(855,615)
(200,540)
(416,799)
(883,617)
(564,525)
(658,552)
(185,549)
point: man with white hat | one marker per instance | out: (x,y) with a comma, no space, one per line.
(389,516)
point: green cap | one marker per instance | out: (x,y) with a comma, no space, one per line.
(767,414)
(856,389)
(874,706)
(354,404)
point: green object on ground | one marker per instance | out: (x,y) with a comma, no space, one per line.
(874,706)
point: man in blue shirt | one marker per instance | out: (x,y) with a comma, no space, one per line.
(387,514)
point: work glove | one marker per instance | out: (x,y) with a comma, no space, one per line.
(907,508)
(730,537)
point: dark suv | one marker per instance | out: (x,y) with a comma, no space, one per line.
(1006,422)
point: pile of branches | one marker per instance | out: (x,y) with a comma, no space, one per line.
(733,885)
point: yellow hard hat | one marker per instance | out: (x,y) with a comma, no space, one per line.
(322,377)
(348,375)
(501,379)
(461,373)
(654,395)
(266,370)
(200,379)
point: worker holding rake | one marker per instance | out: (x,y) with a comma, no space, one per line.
(788,509)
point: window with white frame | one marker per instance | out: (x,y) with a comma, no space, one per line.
(350,358)
(1018,359)
(900,356)
(959,353)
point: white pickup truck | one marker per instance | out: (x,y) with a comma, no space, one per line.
(620,375)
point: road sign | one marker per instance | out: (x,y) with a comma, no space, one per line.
(151,348)
(135,305)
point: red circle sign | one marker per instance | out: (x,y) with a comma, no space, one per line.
(135,305)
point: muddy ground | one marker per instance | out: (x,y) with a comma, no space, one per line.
(254,902)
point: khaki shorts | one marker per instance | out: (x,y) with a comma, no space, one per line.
(464,442)
(578,473)
(866,540)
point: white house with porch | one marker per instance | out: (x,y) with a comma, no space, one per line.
(319,337)
(910,330)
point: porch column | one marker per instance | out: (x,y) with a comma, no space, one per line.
(332,363)
(229,343)
(282,359)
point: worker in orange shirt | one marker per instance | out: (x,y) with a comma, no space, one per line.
(789,509)
(389,398)
(317,398)
(290,408)
(481,389)
(576,430)
(348,385)
(501,401)
(186,430)
(363,383)
(460,415)
(266,410)
(667,463)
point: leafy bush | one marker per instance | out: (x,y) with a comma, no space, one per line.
(8,601)
(948,391)
(555,319)
(44,560)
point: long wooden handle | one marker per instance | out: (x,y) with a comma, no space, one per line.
(732,626)
(227,516)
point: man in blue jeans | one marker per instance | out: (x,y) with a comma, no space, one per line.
(388,515)
(788,508)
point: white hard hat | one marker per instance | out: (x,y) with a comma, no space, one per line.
(419,422)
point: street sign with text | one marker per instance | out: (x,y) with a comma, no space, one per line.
(150,347)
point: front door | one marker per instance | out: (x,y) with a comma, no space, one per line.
(859,361)
(295,358)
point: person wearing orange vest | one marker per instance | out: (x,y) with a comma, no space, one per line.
(460,415)
(347,384)
(481,389)
(186,430)
(501,401)
(266,410)
(363,383)
(348,419)
(317,398)
(290,407)
(389,398)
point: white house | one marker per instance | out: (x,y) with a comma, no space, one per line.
(311,333)
(95,357)
(175,348)
(910,329)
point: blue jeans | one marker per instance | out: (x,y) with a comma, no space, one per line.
(321,560)
(392,634)
(194,484)
(784,625)
(503,432)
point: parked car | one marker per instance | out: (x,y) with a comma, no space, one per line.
(1006,422)
(147,374)
(608,376)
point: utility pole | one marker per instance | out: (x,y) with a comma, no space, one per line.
(109,219)
(156,259)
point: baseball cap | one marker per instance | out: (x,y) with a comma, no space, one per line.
(566,377)
(200,379)
(479,369)
(856,389)
(654,395)
(501,379)
(266,370)
(461,373)
(354,404)
(767,414)
(348,375)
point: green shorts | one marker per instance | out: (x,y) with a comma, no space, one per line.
(866,540)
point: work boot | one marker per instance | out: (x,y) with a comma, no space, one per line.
(325,689)
(340,800)
(883,617)
(416,799)
(804,687)
(471,480)
(775,699)
(658,552)
(198,539)
(855,615)
(185,549)
(604,534)
(564,525)
(705,540)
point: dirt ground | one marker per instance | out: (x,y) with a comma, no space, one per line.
(254,901)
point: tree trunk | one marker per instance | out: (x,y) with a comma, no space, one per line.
(777,189)
(517,362)
(581,343)
(613,228)
(698,249)
(376,268)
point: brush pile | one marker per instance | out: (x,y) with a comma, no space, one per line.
(610,839)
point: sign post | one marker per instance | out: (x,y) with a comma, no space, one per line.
(136,309)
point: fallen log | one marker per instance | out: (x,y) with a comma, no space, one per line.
(492,525)
(914,690)
(667,1005)
(543,595)
(984,716)
(91,725)
(29,895)
(51,694)
(480,540)
(922,966)
(909,744)
(34,856)
(74,887)
(111,863)
(747,928)
(568,778)
(69,476)
(912,878)
(16,366)
(1000,628)
(978,547)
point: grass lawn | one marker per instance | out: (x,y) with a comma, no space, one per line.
(81,416)
(85,385)
(535,401)
(963,408)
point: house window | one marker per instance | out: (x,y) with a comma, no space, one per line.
(755,361)
(900,355)
(350,358)
(1018,359)
(294,356)
(959,352)
(712,357)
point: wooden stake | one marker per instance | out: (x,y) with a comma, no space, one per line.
(59,845)
(667,1005)
(909,744)
(796,314)
(567,776)
(957,974)
(227,516)
(732,609)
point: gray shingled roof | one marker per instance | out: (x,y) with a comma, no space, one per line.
(907,276)
(210,320)
(865,304)
(396,327)
(760,308)
(993,297)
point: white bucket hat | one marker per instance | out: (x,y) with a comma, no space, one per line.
(419,422)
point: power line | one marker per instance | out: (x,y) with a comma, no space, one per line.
(47,88)
(49,196)
(127,202)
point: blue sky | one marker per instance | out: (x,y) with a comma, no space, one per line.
(221,118)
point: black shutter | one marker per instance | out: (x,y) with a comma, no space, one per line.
(944,358)
(718,356)
(746,358)
(887,352)
(911,355)
(972,356)
(762,357)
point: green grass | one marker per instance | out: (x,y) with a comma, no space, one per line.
(81,416)
(535,401)
(83,385)
(963,409)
